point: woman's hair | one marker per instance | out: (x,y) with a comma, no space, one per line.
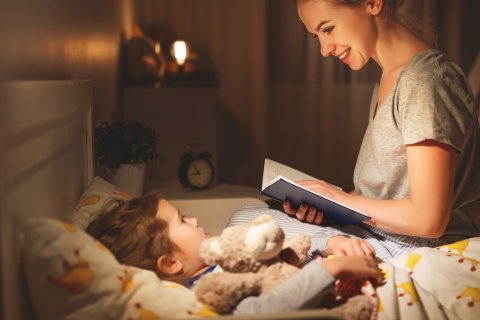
(134,234)
(425,31)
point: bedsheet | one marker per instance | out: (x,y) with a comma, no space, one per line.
(430,283)
(387,245)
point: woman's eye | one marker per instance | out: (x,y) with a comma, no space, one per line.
(315,36)
(328,30)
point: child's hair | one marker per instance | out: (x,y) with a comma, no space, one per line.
(425,31)
(134,234)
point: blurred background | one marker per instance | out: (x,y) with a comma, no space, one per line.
(273,96)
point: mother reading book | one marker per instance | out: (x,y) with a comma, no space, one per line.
(418,171)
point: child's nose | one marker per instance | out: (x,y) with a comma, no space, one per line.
(193,221)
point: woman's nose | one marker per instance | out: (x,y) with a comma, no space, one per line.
(327,49)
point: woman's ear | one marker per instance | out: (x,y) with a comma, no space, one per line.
(374,7)
(169,266)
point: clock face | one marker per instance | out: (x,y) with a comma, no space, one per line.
(200,173)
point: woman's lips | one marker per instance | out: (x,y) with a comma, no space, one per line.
(345,56)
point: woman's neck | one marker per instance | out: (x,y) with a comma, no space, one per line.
(396,45)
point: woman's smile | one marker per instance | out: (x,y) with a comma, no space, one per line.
(345,54)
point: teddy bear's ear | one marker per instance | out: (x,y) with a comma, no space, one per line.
(210,251)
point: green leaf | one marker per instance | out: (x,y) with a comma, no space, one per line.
(122,142)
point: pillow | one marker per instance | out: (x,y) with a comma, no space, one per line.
(93,200)
(70,275)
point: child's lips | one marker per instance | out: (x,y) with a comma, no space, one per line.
(207,234)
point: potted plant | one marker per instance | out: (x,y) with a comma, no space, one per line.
(125,148)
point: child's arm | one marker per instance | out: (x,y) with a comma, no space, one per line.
(303,290)
(309,287)
(339,245)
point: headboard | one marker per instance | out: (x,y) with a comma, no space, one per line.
(46,162)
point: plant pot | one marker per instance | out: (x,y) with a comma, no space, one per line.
(128,178)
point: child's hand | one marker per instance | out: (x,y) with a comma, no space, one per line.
(343,246)
(353,267)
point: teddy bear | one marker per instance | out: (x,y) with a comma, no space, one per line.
(255,259)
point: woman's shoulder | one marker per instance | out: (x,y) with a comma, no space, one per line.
(431,63)
(433,69)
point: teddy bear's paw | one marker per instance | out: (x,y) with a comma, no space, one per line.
(295,249)
(221,292)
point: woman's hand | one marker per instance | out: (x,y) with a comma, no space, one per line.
(343,246)
(311,214)
(304,212)
(353,267)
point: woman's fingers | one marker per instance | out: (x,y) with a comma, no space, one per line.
(288,209)
(318,218)
(311,214)
(301,212)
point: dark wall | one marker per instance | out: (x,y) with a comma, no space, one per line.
(66,40)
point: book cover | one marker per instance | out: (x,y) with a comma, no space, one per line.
(278,187)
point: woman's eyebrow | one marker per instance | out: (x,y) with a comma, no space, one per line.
(321,24)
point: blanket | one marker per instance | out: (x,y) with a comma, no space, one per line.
(430,283)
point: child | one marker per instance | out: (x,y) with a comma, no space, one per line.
(148,232)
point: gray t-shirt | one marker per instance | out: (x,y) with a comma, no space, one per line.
(431,99)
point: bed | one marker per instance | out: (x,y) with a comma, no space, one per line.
(46,164)
(46,169)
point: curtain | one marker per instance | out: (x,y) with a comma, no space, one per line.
(278,97)
(229,37)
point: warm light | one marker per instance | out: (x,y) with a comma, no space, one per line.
(158,48)
(180,49)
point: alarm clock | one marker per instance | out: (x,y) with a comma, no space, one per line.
(196,171)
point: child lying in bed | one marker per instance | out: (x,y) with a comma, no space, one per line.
(149,233)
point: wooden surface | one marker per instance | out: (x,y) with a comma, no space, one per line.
(46,163)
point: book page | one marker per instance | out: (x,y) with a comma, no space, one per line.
(273,169)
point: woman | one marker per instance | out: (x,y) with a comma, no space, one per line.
(418,170)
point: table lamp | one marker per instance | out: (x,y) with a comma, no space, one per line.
(180,53)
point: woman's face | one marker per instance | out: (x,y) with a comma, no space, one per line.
(185,233)
(345,32)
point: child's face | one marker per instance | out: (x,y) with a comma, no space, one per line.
(185,233)
(340,29)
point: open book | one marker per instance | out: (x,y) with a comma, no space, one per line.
(278,184)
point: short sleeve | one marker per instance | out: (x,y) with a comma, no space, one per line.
(435,102)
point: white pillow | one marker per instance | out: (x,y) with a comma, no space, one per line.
(70,275)
(93,200)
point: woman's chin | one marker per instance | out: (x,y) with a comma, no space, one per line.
(355,66)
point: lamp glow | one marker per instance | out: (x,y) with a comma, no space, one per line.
(180,49)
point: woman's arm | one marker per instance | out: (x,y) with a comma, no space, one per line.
(431,171)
